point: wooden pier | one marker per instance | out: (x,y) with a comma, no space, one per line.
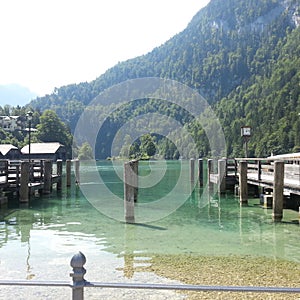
(24,178)
(274,180)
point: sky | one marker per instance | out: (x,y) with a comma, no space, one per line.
(51,43)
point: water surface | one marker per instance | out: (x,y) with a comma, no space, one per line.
(37,241)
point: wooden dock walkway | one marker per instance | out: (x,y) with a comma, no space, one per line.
(262,174)
(24,178)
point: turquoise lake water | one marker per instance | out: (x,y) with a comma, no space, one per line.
(38,240)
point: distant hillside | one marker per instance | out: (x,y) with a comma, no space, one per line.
(14,94)
(242,56)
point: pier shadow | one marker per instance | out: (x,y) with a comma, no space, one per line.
(145,225)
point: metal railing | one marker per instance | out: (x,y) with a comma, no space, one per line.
(79,283)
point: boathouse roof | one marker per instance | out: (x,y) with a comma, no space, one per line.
(42,148)
(5,148)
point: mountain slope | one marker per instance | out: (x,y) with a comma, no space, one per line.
(230,49)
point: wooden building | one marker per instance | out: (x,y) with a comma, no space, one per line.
(52,151)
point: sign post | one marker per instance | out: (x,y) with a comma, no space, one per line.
(246,134)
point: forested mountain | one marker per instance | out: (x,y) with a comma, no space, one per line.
(242,56)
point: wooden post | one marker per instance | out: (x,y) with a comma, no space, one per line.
(59,173)
(24,189)
(47,177)
(200,171)
(222,175)
(209,172)
(135,168)
(243,166)
(209,168)
(68,172)
(259,170)
(192,169)
(278,191)
(128,192)
(77,175)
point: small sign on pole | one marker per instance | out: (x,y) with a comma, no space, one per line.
(246,134)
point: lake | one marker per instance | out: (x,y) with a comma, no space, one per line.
(174,217)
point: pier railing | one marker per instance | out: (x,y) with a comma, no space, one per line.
(78,284)
(260,171)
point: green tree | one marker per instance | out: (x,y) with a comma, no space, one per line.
(148,147)
(52,129)
(85,152)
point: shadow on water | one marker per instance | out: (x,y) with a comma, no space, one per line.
(145,226)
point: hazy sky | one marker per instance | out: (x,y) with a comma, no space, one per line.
(50,43)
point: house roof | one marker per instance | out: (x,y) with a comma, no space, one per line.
(5,148)
(42,148)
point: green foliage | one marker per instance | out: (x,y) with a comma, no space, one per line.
(85,152)
(52,129)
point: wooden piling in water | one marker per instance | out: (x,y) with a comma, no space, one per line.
(24,189)
(278,191)
(222,175)
(192,169)
(243,166)
(129,192)
(209,168)
(47,177)
(68,172)
(135,168)
(77,174)
(200,171)
(59,170)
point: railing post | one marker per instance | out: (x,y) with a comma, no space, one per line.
(243,166)
(259,170)
(278,191)
(77,262)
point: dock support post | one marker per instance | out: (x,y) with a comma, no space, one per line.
(24,189)
(192,169)
(77,175)
(68,172)
(222,175)
(209,172)
(243,166)
(135,168)
(47,177)
(209,168)
(129,192)
(200,171)
(278,191)
(59,173)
